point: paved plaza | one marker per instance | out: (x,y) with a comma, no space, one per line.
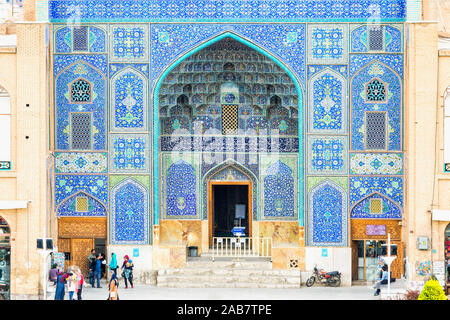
(145,292)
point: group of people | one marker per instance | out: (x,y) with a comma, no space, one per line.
(73,279)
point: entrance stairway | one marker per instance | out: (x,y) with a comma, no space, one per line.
(202,272)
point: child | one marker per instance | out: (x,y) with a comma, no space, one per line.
(80,282)
(71,285)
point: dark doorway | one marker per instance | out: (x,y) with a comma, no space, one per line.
(225,199)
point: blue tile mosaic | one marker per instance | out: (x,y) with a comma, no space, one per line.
(181,184)
(361,187)
(68,207)
(392,105)
(216,10)
(327,155)
(129,213)
(129,43)
(68,185)
(327,215)
(279,195)
(129,153)
(81,162)
(327,44)
(390,210)
(183,37)
(327,97)
(376,163)
(78,68)
(129,107)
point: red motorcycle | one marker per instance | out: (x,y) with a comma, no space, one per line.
(333,279)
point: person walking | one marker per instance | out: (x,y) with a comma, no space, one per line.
(127,273)
(91,261)
(98,269)
(60,290)
(53,274)
(113,264)
(113,287)
(71,284)
(80,282)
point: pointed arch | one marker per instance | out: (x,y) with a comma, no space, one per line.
(129,222)
(390,209)
(223,166)
(327,215)
(155,96)
(131,112)
(327,116)
(393,104)
(95,208)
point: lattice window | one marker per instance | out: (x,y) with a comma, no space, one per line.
(229,119)
(376,38)
(81,204)
(80,91)
(376,206)
(81,131)
(376,91)
(80,39)
(376,123)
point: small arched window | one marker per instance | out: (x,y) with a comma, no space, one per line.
(80,91)
(376,91)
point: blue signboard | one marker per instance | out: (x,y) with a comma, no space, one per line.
(238,231)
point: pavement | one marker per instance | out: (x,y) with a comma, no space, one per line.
(147,292)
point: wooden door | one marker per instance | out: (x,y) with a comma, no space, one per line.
(81,249)
(355,260)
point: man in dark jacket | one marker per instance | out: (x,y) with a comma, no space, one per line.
(98,269)
(91,262)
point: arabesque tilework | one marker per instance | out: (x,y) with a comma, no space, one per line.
(273,53)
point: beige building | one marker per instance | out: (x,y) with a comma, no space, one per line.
(26,209)
(427,135)
(24,153)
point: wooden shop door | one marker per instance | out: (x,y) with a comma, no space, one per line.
(81,249)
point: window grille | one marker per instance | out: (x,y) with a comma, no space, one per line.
(81,204)
(376,130)
(376,38)
(80,39)
(376,91)
(229,119)
(80,91)
(81,131)
(376,206)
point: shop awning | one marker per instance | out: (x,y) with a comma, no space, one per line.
(441,215)
(13,204)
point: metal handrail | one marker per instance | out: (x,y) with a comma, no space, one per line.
(241,247)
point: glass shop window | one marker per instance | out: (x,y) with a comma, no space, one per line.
(376,130)
(81,131)
(5,130)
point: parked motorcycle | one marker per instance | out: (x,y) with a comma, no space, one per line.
(333,279)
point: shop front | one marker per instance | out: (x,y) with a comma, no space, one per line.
(5,259)
(78,236)
(370,243)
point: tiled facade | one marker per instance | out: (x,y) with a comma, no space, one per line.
(303,89)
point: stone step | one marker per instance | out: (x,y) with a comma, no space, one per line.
(230,271)
(228,279)
(244,264)
(189,284)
